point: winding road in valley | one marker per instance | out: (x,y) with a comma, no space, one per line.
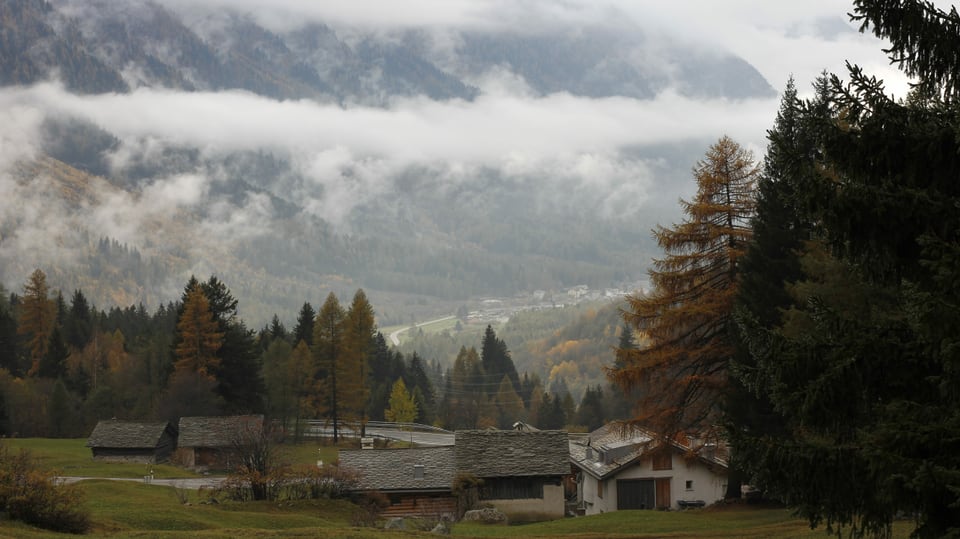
(395,336)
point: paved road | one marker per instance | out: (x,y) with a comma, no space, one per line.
(419,438)
(392,433)
(395,336)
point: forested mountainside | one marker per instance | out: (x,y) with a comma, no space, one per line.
(202,140)
(102,46)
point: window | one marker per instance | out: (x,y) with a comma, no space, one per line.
(418,471)
(689,484)
(600,488)
(663,460)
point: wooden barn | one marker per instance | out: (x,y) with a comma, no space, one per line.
(116,440)
(212,442)
(417,481)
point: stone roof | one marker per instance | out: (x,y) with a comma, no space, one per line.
(509,453)
(217,431)
(609,449)
(117,433)
(394,469)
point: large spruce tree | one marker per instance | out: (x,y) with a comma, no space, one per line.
(862,369)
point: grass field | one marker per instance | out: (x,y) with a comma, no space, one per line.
(72,458)
(132,509)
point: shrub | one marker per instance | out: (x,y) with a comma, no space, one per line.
(36,497)
(369,506)
(289,483)
(466,487)
(311,483)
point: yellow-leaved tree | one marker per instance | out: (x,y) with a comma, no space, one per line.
(403,409)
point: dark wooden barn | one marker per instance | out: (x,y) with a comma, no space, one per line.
(118,440)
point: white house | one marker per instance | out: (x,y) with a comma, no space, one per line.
(637,470)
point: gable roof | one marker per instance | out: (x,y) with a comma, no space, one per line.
(217,431)
(393,469)
(120,433)
(506,453)
(608,450)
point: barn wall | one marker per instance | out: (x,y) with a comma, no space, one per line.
(109,454)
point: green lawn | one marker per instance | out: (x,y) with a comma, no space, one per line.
(131,509)
(732,521)
(72,458)
(122,510)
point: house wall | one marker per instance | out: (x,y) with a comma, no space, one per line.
(707,485)
(550,506)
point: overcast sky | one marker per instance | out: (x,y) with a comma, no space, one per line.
(777,37)
(347,154)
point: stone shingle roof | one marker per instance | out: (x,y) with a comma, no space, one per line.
(217,431)
(508,453)
(393,469)
(609,449)
(117,433)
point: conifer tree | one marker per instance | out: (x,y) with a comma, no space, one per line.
(687,317)
(9,346)
(199,336)
(304,328)
(771,262)
(861,370)
(496,361)
(330,366)
(590,413)
(54,362)
(281,382)
(238,372)
(359,334)
(37,318)
(420,381)
(78,327)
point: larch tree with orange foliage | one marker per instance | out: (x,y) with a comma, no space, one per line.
(686,319)
(37,318)
(199,336)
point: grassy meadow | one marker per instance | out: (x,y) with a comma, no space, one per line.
(123,509)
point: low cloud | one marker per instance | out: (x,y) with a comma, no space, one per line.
(578,154)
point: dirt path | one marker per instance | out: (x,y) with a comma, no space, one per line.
(192,483)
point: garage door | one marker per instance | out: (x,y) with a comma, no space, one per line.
(636,494)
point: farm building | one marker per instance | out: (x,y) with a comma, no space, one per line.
(522,471)
(118,440)
(417,481)
(212,442)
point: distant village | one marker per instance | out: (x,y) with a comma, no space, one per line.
(500,309)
